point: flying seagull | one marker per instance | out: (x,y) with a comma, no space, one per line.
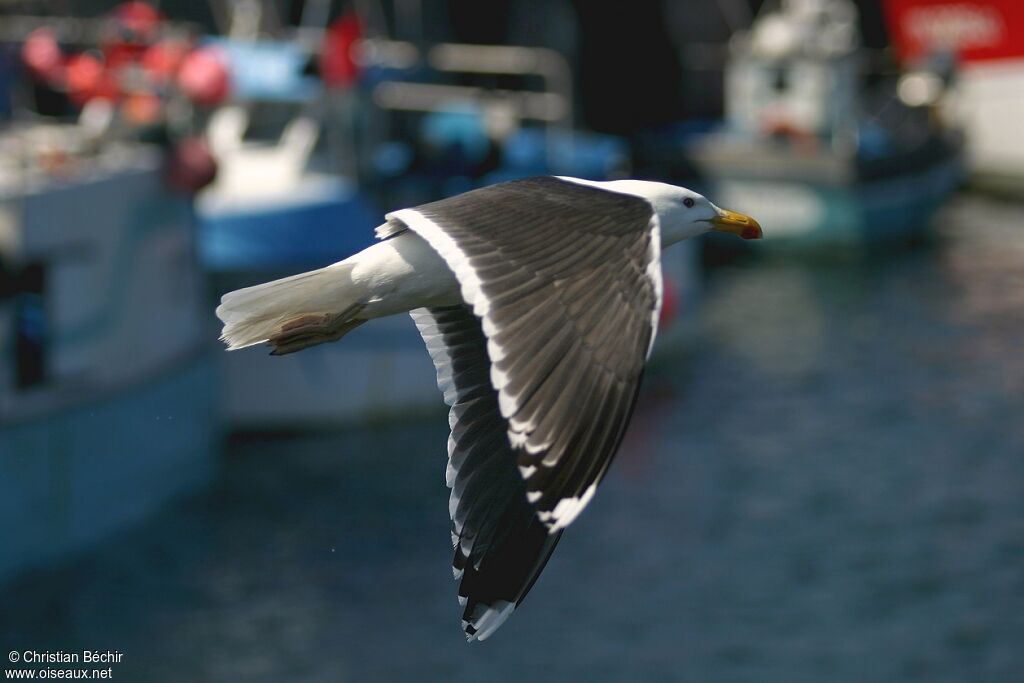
(538,301)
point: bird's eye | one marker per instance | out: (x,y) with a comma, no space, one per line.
(688,202)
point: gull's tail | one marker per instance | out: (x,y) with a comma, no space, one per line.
(292,313)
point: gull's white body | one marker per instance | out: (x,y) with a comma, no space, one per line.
(403,273)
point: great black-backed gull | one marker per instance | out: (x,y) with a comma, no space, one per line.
(538,301)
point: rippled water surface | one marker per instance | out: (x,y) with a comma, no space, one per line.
(829,488)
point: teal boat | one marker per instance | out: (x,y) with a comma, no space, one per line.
(825,162)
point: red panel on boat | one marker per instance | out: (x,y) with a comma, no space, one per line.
(978,30)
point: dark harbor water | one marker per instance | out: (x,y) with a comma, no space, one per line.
(829,488)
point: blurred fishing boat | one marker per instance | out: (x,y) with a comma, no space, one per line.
(108,401)
(826,161)
(280,205)
(986,39)
(107,396)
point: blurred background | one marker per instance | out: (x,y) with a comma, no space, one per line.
(824,479)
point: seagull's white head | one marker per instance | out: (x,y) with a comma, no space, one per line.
(682,213)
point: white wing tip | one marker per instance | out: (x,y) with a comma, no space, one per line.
(487,623)
(567,510)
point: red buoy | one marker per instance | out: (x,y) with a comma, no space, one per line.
(190,165)
(42,55)
(161,60)
(203,76)
(86,78)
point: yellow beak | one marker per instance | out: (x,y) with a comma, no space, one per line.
(738,224)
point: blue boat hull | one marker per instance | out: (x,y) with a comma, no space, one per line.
(69,479)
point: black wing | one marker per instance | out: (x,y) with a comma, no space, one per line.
(500,544)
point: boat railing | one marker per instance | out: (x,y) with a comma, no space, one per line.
(552,105)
